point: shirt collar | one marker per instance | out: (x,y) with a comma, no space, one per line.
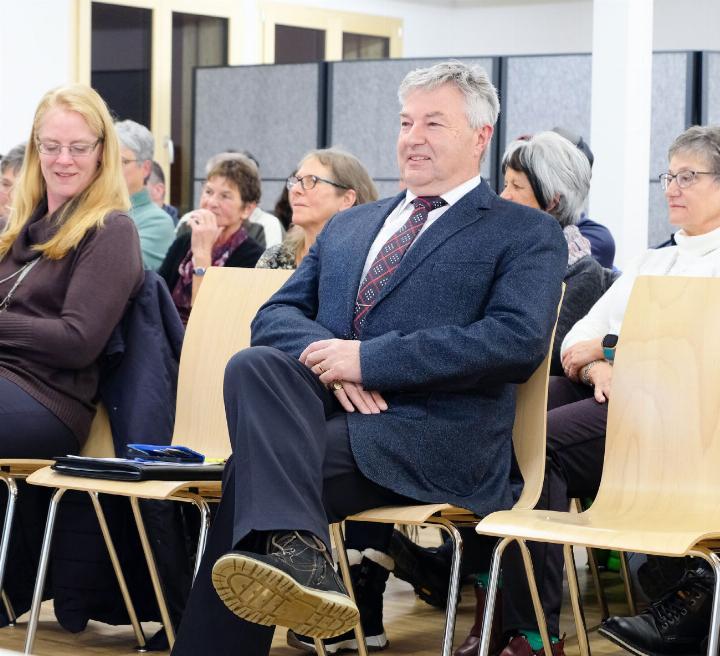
(450,197)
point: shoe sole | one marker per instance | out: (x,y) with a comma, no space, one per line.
(263,594)
(373,643)
(632,648)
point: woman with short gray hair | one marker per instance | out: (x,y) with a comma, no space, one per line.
(550,173)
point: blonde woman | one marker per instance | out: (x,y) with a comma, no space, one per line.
(327,181)
(69,262)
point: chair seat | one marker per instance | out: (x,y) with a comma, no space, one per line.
(159,490)
(403,514)
(653,534)
(22,467)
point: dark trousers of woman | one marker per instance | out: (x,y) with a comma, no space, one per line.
(575,450)
(291,469)
(27,430)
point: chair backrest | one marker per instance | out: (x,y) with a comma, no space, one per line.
(662,452)
(219,327)
(530,427)
(99,443)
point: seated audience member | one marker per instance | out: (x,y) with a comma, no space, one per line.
(384,338)
(600,238)
(69,263)
(158,192)
(282,209)
(273,231)
(577,406)
(154,225)
(327,182)
(10,166)
(549,173)
(217,234)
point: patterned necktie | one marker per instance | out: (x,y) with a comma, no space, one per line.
(388,259)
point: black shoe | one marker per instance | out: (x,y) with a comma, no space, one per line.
(294,585)
(426,570)
(369,580)
(677,624)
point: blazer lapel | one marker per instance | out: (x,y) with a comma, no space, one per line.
(466,211)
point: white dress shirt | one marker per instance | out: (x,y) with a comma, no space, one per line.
(397,218)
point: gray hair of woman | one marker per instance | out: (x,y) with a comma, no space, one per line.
(481,98)
(137,138)
(558,172)
(702,141)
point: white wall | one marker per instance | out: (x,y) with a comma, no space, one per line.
(35,55)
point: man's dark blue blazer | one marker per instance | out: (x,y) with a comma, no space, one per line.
(468,313)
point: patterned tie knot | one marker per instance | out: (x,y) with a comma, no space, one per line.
(428,203)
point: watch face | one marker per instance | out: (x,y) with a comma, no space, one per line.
(609,341)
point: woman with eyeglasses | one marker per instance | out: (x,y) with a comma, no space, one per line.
(578,401)
(326,182)
(69,263)
(218,236)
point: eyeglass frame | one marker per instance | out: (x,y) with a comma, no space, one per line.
(41,144)
(667,178)
(293,180)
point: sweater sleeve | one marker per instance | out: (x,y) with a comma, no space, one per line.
(107,270)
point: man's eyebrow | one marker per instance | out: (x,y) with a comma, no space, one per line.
(428,115)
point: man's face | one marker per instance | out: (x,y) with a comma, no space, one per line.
(7,182)
(134,170)
(437,149)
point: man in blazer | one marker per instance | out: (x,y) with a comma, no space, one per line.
(382,372)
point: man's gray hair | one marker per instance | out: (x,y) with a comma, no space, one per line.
(13,161)
(702,141)
(229,156)
(137,138)
(557,171)
(481,98)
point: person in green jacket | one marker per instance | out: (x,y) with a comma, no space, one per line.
(154,225)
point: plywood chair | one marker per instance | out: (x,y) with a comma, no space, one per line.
(12,470)
(219,326)
(529,446)
(660,487)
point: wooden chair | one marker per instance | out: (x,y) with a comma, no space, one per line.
(660,487)
(12,470)
(529,446)
(219,326)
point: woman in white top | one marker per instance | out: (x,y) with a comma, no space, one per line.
(577,406)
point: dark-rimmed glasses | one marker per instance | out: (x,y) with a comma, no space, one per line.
(53,149)
(308,182)
(684,179)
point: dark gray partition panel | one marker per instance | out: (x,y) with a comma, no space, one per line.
(711,88)
(541,92)
(363,112)
(275,112)
(672,111)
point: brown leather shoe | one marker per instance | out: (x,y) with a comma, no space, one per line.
(519,646)
(470,645)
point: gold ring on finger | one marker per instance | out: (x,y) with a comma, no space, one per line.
(337,385)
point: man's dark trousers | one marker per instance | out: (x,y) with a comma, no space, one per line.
(291,469)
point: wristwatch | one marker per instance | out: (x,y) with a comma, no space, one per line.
(585,373)
(609,343)
(199,271)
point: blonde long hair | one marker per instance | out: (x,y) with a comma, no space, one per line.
(106,192)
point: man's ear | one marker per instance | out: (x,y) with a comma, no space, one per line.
(482,139)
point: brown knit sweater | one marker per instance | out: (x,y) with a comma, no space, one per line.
(62,313)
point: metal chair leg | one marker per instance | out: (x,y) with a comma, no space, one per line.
(712,558)
(152,568)
(137,628)
(204,510)
(42,571)
(339,539)
(535,595)
(491,596)
(575,599)
(627,583)
(5,542)
(12,617)
(576,504)
(454,589)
